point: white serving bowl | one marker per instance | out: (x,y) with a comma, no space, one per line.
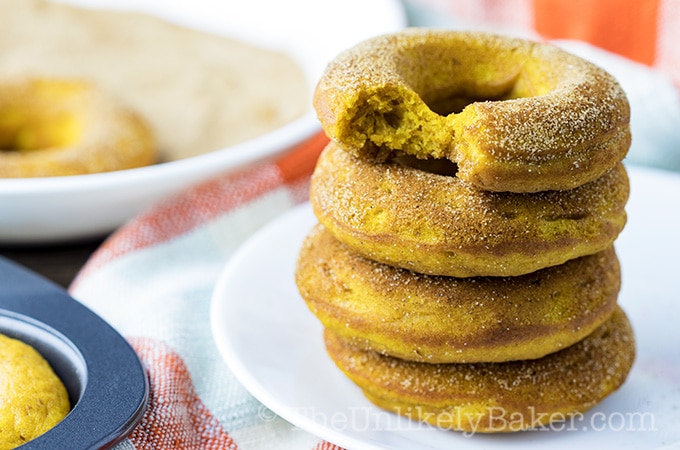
(60,209)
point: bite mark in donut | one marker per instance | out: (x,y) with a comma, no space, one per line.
(514,115)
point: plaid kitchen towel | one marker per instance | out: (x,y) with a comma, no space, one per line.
(152,280)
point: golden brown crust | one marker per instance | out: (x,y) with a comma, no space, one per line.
(437,225)
(444,320)
(56,127)
(537,118)
(495,397)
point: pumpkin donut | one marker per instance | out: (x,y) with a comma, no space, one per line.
(433,223)
(55,127)
(445,320)
(495,397)
(514,115)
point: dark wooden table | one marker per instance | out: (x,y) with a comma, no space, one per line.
(60,263)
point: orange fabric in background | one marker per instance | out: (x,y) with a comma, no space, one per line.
(626,27)
(300,163)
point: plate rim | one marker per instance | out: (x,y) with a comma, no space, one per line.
(229,355)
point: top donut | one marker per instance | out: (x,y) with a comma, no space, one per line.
(514,115)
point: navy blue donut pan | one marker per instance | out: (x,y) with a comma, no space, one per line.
(107,384)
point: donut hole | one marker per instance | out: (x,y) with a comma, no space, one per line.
(21,132)
(444,100)
(455,104)
(45,115)
(438,166)
(458,78)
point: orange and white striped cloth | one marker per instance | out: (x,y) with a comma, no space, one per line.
(153,278)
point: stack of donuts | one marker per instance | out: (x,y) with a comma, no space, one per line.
(463,265)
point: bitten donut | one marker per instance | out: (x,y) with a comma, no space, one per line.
(495,397)
(514,115)
(445,320)
(435,224)
(55,127)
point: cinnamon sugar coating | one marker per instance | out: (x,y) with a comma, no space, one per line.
(495,397)
(515,115)
(443,320)
(438,225)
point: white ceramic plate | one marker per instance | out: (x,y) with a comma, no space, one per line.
(312,32)
(273,343)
